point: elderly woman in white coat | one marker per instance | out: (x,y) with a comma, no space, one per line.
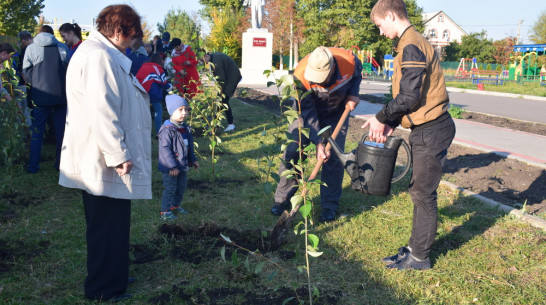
(107,147)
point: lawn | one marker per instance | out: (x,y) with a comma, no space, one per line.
(480,256)
(524,88)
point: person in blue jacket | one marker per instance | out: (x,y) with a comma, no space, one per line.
(176,156)
(44,68)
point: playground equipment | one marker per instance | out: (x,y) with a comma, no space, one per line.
(467,68)
(369,65)
(525,67)
(388,66)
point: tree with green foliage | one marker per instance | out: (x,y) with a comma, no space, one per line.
(451,52)
(225,34)
(17,15)
(181,25)
(476,45)
(344,23)
(538,31)
(212,5)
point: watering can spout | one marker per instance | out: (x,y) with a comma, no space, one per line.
(348,160)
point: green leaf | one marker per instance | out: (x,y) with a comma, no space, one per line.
(305,94)
(226,238)
(287,172)
(275,177)
(305,210)
(287,80)
(268,188)
(287,300)
(316,292)
(314,253)
(247,264)
(305,132)
(223,253)
(259,268)
(310,147)
(272,275)
(313,239)
(302,269)
(295,200)
(234,258)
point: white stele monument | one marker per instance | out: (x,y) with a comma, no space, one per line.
(257,47)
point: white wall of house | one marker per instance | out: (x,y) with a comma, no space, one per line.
(440,30)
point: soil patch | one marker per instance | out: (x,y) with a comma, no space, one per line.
(12,251)
(204,243)
(260,295)
(505,180)
(10,200)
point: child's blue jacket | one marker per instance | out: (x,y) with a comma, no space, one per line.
(173,152)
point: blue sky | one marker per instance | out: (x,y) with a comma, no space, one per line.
(83,12)
(498,17)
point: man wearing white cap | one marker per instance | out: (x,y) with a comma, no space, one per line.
(333,76)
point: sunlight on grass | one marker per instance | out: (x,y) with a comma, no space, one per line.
(480,255)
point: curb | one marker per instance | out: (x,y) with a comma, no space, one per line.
(535,221)
(494,93)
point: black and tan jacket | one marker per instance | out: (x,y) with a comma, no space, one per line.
(418,85)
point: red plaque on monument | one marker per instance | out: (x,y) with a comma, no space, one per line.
(258,42)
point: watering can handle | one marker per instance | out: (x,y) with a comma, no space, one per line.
(408,153)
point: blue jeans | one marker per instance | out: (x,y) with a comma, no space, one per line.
(157,115)
(39,119)
(173,190)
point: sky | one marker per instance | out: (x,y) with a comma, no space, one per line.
(83,12)
(498,17)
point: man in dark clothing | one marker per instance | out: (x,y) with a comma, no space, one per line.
(333,76)
(228,76)
(44,68)
(164,46)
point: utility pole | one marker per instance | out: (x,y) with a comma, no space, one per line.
(519,27)
(290,61)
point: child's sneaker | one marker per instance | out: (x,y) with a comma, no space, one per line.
(168,215)
(178,210)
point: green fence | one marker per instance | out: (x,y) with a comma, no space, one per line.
(8,39)
(453,65)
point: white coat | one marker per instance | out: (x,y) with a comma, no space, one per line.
(108,122)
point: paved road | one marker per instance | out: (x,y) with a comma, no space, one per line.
(529,108)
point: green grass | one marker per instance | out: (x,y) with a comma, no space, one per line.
(480,256)
(527,88)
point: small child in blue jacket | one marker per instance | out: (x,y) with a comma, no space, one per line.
(176,156)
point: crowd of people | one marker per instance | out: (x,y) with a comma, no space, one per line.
(104,142)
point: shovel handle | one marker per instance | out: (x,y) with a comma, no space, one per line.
(328,146)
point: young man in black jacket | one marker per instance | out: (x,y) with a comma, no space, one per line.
(420,102)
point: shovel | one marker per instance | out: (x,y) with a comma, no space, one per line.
(284,223)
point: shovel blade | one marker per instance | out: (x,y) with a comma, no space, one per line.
(281,228)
